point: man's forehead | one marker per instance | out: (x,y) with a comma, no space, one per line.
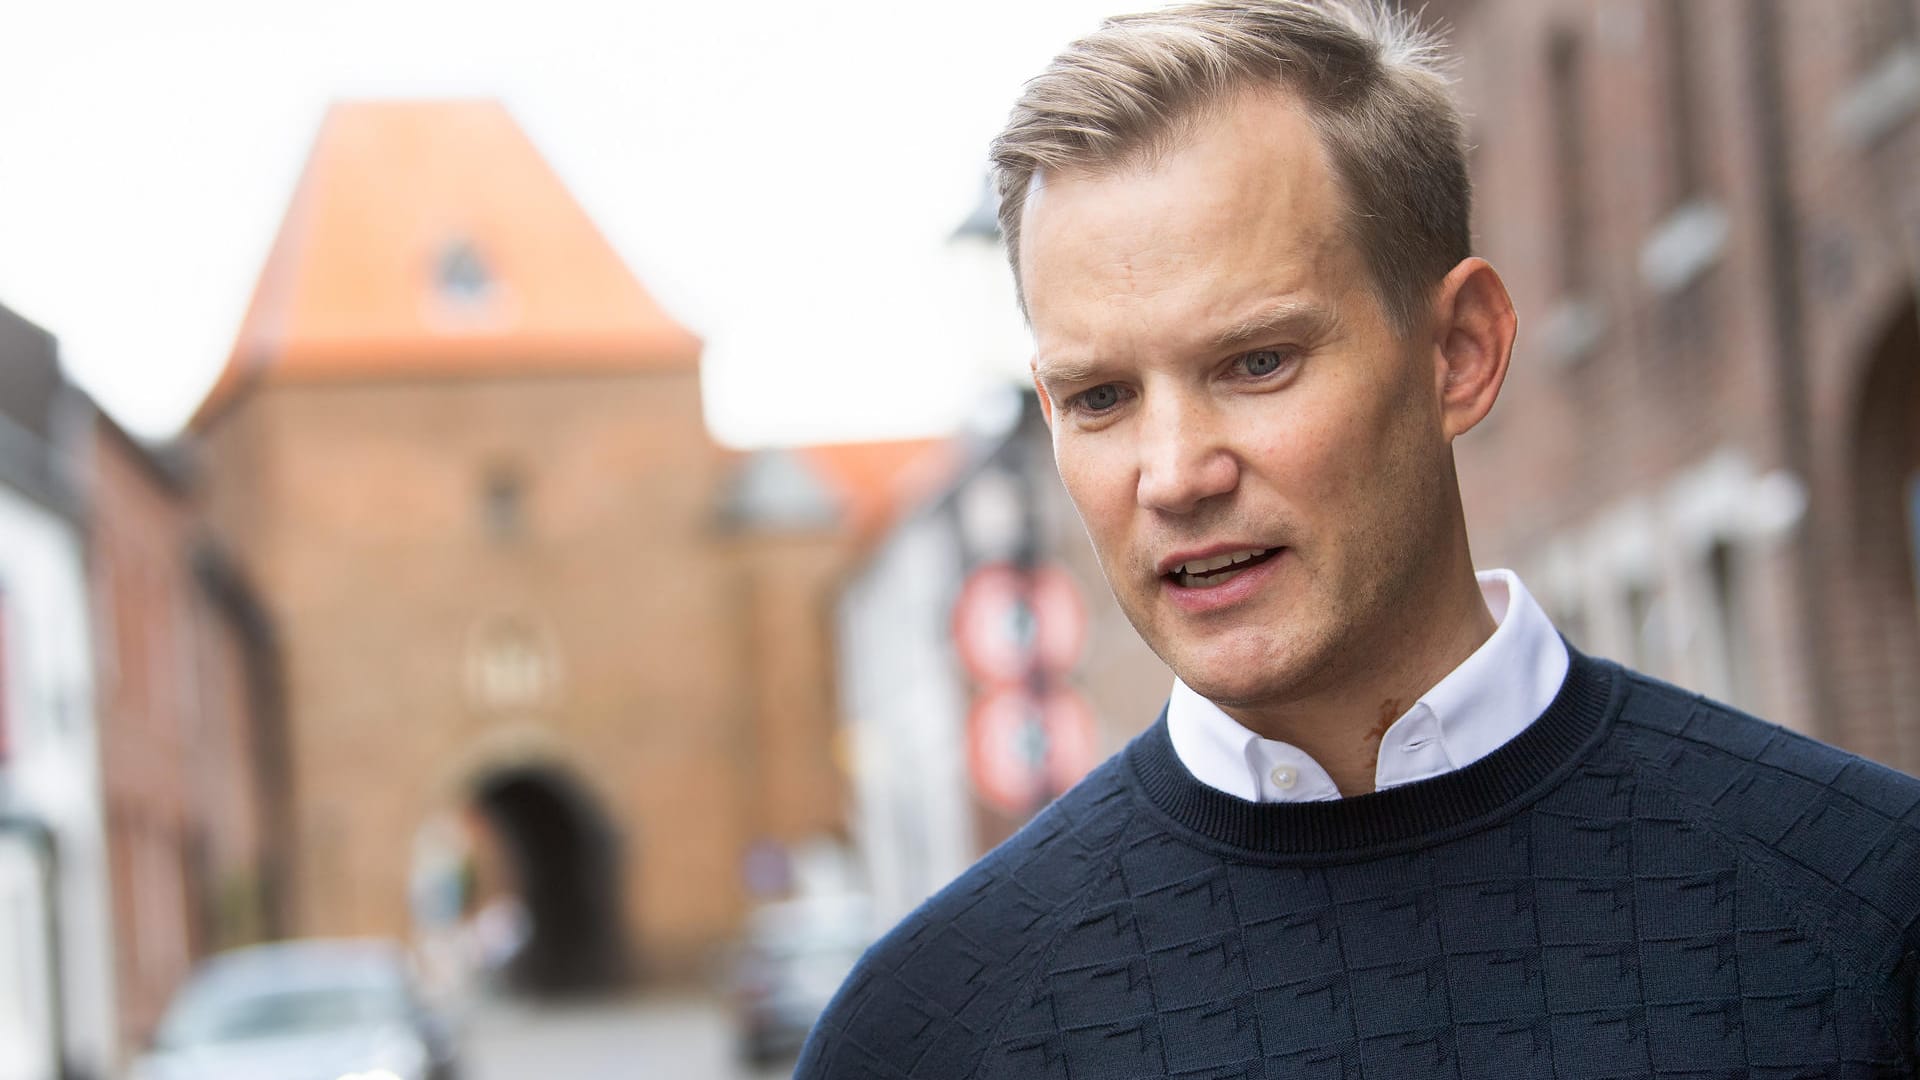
(1238,216)
(1256,163)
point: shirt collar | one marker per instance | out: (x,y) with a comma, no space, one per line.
(1491,697)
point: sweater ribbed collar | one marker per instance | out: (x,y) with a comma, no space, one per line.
(1511,775)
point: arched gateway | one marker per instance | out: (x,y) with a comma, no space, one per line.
(1875,574)
(564,861)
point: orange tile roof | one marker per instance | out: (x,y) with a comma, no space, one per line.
(430,238)
(875,481)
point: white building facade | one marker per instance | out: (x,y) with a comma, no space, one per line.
(56,961)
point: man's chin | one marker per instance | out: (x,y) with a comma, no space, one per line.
(1244,674)
(1234,692)
(1233,684)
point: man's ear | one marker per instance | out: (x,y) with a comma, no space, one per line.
(1474,325)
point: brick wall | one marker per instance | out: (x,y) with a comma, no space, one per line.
(177,721)
(1714,335)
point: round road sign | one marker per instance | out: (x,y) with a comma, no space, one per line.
(1024,750)
(1006,622)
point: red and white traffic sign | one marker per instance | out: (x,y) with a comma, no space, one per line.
(1023,750)
(1006,623)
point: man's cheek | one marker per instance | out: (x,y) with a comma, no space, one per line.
(1090,483)
(1327,462)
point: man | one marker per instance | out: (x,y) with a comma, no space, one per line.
(1389,825)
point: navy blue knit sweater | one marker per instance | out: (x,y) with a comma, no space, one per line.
(1641,884)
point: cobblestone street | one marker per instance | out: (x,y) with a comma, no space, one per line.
(670,1038)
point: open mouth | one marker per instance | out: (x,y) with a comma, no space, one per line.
(1218,570)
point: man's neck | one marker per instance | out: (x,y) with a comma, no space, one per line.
(1341,726)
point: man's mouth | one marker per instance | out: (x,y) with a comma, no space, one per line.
(1219,569)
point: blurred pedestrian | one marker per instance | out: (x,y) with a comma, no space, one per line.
(1390,824)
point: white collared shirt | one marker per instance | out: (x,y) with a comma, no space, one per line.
(1491,697)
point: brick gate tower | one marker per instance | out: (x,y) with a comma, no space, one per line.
(459,448)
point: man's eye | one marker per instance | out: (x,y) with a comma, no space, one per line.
(1263,361)
(1100,398)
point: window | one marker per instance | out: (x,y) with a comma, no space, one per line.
(1683,105)
(1881,27)
(1692,232)
(461,276)
(1730,622)
(1568,102)
(1574,324)
(503,504)
(1885,93)
(1913,524)
(6,687)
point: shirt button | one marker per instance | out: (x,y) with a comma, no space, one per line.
(1284,776)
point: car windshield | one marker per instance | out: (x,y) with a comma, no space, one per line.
(235,1017)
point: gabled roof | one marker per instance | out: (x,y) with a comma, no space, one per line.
(30,379)
(430,238)
(35,456)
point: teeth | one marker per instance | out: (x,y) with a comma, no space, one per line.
(1208,581)
(1201,566)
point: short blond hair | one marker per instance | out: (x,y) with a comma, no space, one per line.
(1371,80)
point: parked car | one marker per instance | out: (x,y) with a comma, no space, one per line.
(301,1010)
(794,956)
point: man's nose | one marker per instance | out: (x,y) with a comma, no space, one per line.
(1184,458)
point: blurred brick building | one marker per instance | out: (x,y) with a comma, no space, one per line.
(191,753)
(461,450)
(1704,460)
(138,749)
(801,518)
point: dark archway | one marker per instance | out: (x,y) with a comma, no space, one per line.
(564,855)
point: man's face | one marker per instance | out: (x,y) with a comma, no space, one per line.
(1223,384)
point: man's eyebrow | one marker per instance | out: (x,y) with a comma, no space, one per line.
(1064,371)
(1305,318)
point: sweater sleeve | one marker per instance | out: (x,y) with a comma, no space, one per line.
(1834,838)
(925,1001)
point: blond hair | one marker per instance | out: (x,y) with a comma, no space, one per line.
(1372,83)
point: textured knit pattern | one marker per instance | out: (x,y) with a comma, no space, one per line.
(1642,884)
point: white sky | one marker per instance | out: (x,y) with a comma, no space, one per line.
(782,177)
